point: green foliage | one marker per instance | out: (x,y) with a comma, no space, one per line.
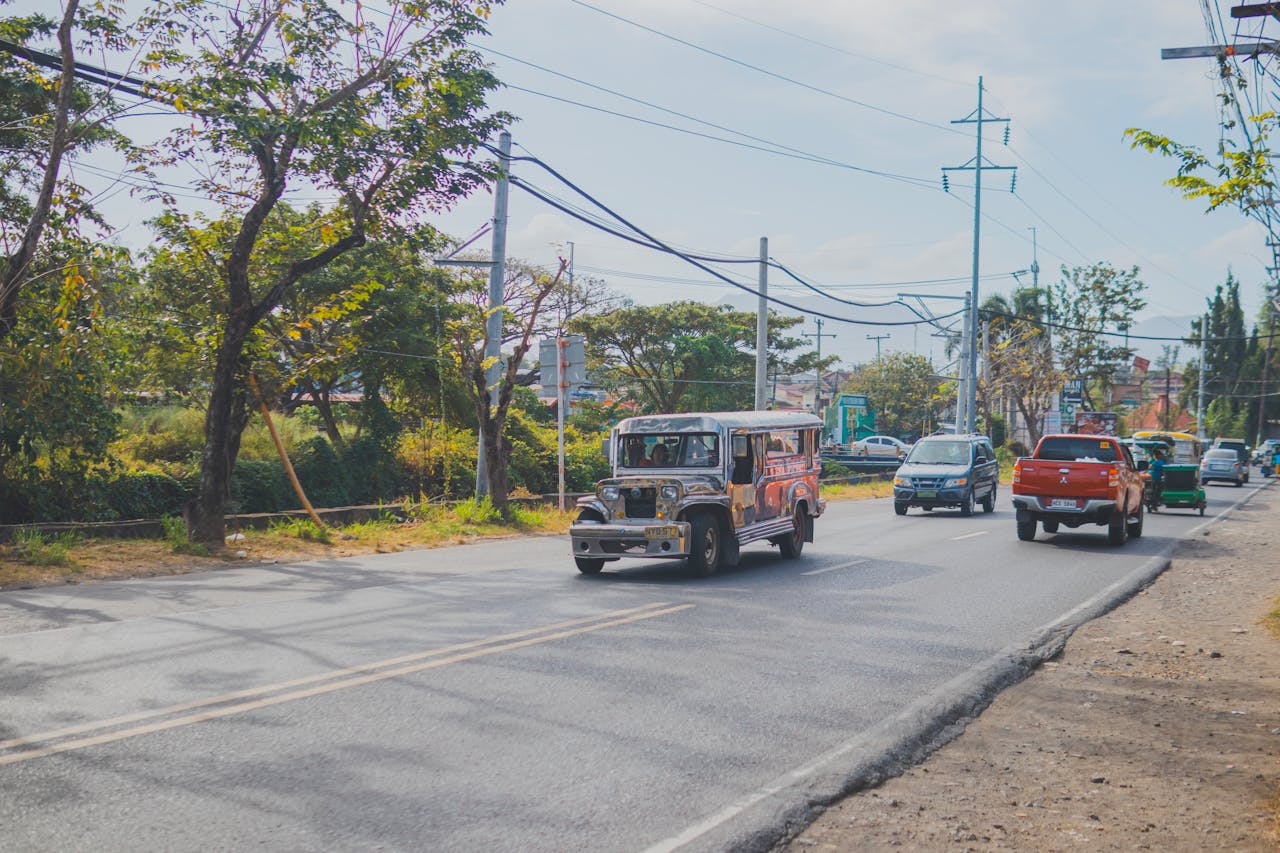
(901,389)
(300,528)
(834,469)
(178,538)
(324,477)
(475,512)
(144,494)
(40,549)
(688,356)
(1088,301)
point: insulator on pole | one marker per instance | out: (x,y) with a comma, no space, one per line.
(1013,182)
(946,187)
(1006,134)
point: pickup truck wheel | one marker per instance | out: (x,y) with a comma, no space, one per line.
(989,502)
(792,544)
(901,508)
(966,506)
(1050,525)
(1118,528)
(1135,524)
(706,541)
(589,565)
(1026,527)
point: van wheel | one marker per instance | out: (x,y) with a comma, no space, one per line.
(793,544)
(589,565)
(706,544)
(1135,525)
(1118,528)
(989,502)
(901,508)
(966,506)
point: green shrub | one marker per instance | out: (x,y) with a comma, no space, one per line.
(301,528)
(139,494)
(326,481)
(260,485)
(476,512)
(178,538)
(38,549)
(835,469)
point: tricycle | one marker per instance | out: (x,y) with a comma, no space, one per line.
(1180,488)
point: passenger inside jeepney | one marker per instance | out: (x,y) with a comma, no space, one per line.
(635,452)
(658,456)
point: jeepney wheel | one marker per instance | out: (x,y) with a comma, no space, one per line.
(966,504)
(1118,528)
(589,565)
(1135,525)
(793,543)
(706,544)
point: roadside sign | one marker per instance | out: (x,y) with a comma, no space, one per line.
(574,367)
(1067,410)
(1073,391)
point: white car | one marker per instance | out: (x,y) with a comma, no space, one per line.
(879,445)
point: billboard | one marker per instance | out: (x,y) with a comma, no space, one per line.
(1097,423)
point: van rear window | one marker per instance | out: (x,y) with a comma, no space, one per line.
(1077,450)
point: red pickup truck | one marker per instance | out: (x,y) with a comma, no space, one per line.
(1075,480)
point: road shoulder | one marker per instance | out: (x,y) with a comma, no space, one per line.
(1157,727)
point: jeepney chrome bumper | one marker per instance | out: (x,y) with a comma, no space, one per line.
(630,540)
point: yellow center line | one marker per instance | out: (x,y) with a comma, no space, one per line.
(312,679)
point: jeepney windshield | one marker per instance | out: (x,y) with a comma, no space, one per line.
(670,450)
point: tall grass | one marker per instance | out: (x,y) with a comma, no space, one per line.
(178,538)
(39,549)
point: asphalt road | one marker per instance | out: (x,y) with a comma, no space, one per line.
(488,697)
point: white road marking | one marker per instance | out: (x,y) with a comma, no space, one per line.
(971,535)
(834,568)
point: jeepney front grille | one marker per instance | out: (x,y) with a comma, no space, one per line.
(640,502)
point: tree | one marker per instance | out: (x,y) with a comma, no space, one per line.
(1019,358)
(526,292)
(46,122)
(688,356)
(291,92)
(903,391)
(1226,362)
(1091,303)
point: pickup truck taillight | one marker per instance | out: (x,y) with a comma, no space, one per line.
(1113,477)
(1017,472)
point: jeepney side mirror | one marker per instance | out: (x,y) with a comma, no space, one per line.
(741,447)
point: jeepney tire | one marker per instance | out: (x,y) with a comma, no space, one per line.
(792,544)
(1026,527)
(966,505)
(1135,525)
(989,502)
(1118,528)
(706,544)
(1050,525)
(901,507)
(589,565)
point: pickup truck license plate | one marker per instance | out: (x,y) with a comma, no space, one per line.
(661,532)
(930,493)
(1062,503)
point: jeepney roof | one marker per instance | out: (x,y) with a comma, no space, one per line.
(715,421)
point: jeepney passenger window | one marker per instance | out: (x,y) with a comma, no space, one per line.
(781,444)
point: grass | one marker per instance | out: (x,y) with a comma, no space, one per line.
(1272,621)
(36,558)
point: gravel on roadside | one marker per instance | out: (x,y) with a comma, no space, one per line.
(1158,727)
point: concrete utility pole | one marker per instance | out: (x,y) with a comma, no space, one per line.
(1204,325)
(962,389)
(497,273)
(762,326)
(977,165)
(878,339)
(817,390)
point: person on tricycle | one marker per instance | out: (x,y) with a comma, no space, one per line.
(1157,477)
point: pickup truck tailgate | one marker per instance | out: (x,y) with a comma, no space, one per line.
(1065,481)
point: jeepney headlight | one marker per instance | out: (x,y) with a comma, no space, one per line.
(956,481)
(609,493)
(669,493)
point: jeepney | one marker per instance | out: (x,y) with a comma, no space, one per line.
(699,486)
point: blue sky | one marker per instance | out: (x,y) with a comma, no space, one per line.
(1070,76)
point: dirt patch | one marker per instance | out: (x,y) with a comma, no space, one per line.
(1158,728)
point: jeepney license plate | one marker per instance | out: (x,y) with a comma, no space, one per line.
(1063,503)
(661,532)
(930,493)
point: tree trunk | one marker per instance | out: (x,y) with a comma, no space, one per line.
(320,396)
(222,431)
